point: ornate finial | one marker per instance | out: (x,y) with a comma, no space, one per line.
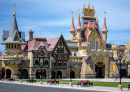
(72,15)
(79,12)
(93,7)
(97,17)
(14,10)
(104,15)
(88,5)
(84,6)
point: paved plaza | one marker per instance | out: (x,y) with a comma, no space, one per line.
(33,87)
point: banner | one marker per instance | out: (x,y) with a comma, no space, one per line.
(89,67)
(114,68)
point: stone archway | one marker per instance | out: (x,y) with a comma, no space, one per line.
(59,74)
(99,70)
(72,74)
(39,73)
(8,73)
(24,74)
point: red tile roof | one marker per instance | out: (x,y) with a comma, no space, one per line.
(35,44)
(53,42)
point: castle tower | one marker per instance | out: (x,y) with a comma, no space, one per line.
(72,30)
(31,35)
(13,39)
(79,30)
(104,30)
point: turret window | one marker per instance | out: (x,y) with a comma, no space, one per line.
(93,43)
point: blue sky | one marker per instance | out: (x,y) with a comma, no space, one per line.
(48,18)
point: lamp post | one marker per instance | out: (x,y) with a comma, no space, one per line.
(70,65)
(41,66)
(21,74)
(120,86)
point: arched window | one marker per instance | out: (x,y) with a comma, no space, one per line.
(36,62)
(90,45)
(93,43)
(9,45)
(46,62)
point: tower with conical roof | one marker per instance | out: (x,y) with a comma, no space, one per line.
(72,30)
(104,30)
(12,39)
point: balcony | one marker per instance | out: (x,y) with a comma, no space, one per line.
(12,59)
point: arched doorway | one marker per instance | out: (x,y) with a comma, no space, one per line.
(39,73)
(59,74)
(8,73)
(99,70)
(72,74)
(24,74)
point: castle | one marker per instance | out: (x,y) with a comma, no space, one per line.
(87,48)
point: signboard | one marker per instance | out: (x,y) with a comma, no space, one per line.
(40,70)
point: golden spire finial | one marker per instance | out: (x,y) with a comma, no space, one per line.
(93,7)
(79,12)
(84,6)
(97,17)
(14,10)
(104,15)
(88,5)
(72,15)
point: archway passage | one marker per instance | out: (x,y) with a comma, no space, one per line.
(24,74)
(39,73)
(8,73)
(59,74)
(99,70)
(72,74)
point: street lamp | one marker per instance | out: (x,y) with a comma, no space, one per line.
(120,86)
(41,66)
(21,73)
(70,65)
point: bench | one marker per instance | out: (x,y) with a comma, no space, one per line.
(53,81)
(128,86)
(85,83)
(10,79)
(31,81)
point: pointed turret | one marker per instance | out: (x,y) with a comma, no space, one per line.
(79,28)
(13,26)
(104,30)
(104,26)
(79,24)
(72,30)
(72,25)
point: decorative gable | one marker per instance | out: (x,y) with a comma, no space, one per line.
(16,37)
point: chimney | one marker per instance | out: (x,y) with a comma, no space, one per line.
(31,35)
